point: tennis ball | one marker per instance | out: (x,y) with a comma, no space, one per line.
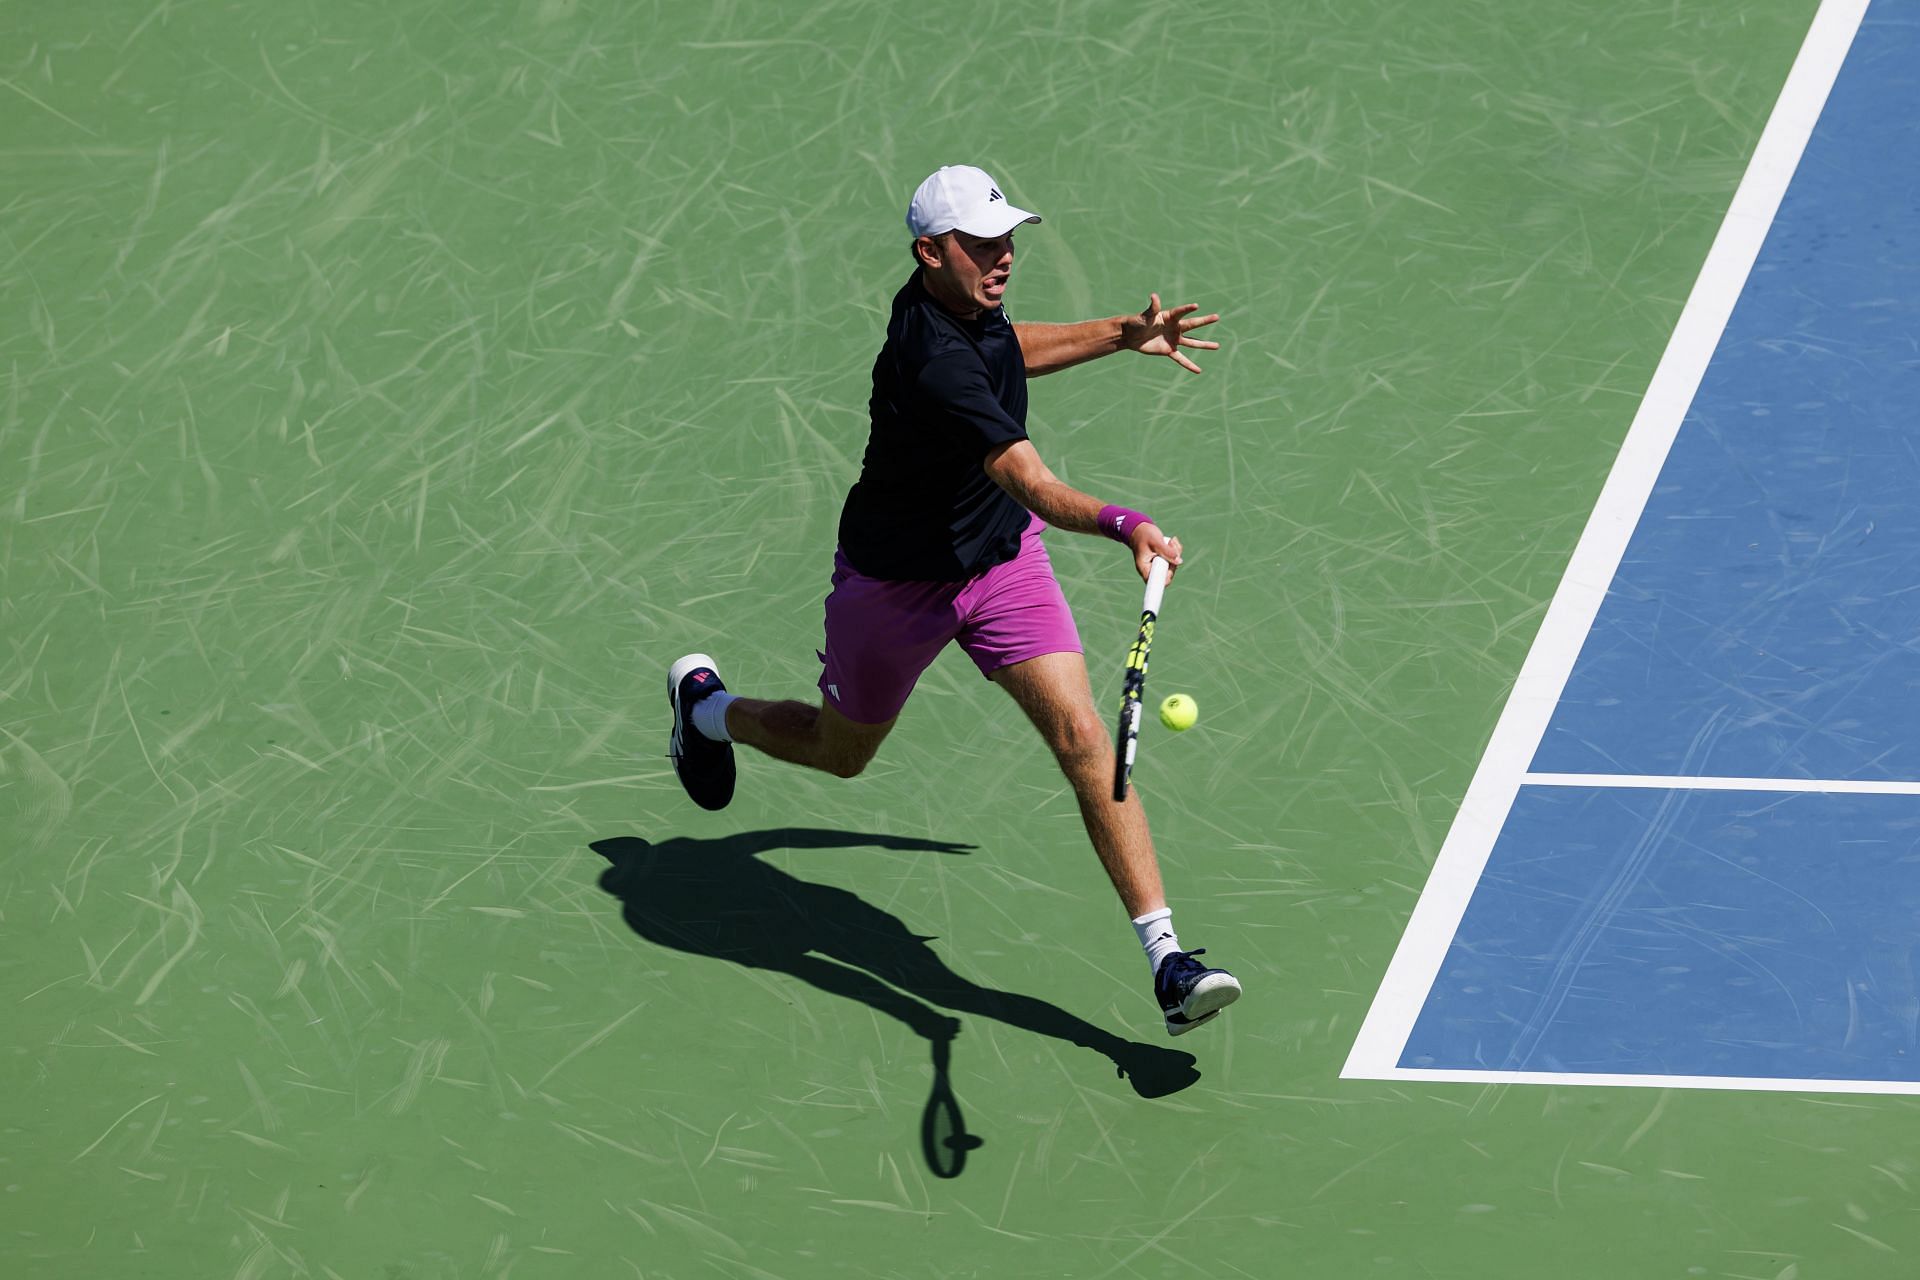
(1178,712)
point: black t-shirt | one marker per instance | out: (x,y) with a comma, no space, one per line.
(946,391)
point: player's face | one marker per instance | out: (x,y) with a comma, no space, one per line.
(972,271)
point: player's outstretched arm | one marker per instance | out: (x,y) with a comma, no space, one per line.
(1156,331)
(1018,469)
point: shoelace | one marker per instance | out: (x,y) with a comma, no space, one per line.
(1181,964)
(1186,958)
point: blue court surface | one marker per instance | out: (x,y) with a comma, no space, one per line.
(1684,932)
(1765,621)
(1708,871)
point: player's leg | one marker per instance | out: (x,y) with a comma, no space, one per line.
(1021,634)
(1018,630)
(1054,692)
(880,636)
(708,721)
(817,737)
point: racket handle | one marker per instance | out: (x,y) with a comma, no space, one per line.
(1156,584)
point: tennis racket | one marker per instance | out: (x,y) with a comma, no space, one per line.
(1127,742)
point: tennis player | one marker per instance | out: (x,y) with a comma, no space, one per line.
(940,542)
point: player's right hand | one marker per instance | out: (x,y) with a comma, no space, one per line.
(1146,541)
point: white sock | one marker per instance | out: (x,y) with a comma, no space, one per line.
(1155,931)
(710,715)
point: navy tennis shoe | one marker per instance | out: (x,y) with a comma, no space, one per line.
(1190,993)
(704,766)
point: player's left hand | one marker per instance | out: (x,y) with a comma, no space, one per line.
(1161,331)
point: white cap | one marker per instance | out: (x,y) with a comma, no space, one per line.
(961,196)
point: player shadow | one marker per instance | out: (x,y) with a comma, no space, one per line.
(716,898)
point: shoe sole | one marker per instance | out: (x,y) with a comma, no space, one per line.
(1203,1004)
(675,674)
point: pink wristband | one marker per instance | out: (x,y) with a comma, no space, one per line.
(1118,522)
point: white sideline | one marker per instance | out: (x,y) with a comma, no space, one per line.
(1813,786)
(1753,1084)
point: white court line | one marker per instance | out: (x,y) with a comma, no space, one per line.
(1767,1084)
(1818,786)
(1436,916)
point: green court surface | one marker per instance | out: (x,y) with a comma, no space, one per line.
(391,392)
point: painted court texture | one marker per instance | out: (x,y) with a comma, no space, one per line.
(391,391)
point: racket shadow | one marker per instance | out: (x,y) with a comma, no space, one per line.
(716,898)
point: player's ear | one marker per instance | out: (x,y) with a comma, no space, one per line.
(928,251)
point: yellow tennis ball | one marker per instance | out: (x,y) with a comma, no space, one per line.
(1178,712)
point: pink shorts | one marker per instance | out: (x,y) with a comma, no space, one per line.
(882,635)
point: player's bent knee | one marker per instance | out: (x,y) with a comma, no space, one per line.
(847,747)
(848,766)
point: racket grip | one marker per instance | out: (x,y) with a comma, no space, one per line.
(1156,584)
